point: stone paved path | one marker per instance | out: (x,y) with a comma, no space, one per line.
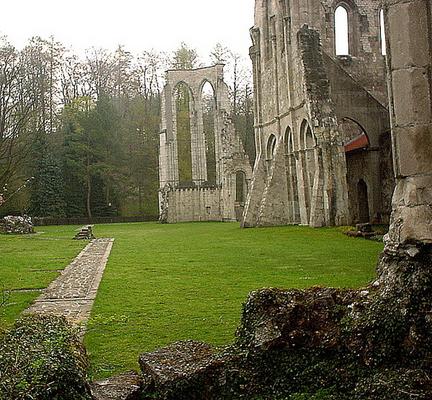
(72,294)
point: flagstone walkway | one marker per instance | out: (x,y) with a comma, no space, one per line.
(72,294)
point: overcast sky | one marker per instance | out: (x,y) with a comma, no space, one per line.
(136,24)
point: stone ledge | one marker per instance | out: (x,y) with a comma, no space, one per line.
(126,386)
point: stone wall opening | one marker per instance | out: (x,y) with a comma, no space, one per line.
(183,106)
(363,201)
(341,31)
(310,143)
(241,187)
(271,146)
(270,151)
(307,146)
(291,172)
(208,120)
(382,33)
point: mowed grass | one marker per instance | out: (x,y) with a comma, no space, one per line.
(32,262)
(165,283)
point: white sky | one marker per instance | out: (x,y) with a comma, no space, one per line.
(136,24)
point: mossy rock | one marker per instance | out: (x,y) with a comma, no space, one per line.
(42,358)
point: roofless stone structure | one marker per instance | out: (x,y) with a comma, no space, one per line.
(204,172)
(374,343)
(321,114)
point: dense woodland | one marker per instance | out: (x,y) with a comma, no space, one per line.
(79,136)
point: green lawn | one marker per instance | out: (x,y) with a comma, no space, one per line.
(32,262)
(187,281)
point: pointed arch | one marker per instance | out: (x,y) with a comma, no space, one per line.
(304,125)
(291,176)
(288,141)
(353,134)
(363,201)
(341,30)
(241,187)
(307,137)
(183,100)
(271,147)
(207,87)
(308,145)
(208,103)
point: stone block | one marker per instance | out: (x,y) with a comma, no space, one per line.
(365,228)
(414,150)
(126,386)
(412,224)
(412,101)
(414,191)
(185,370)
(409,45)
(175,362)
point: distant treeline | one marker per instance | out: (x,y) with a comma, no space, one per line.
(79,136)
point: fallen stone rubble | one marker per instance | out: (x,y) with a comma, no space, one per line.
(16,225)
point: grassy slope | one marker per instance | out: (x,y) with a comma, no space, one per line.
(188,281)
(30,262)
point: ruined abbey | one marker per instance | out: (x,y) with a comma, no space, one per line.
(321,114)
(322,125)
(204,172)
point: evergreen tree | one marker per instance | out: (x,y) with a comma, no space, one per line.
(46,196)
(185,58)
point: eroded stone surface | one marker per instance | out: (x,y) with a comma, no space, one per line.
(315,102)
(177,361)
(126,386)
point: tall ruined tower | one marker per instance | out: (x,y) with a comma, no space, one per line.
(321,114)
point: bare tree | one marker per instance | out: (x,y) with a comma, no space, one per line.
(17,103)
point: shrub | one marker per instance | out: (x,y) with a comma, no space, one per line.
(41,357)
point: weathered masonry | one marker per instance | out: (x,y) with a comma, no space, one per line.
(204,172)
(409,27)
(321,115)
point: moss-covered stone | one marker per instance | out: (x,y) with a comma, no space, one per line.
(321,343)
(42,358)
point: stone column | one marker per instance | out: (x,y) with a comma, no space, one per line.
(409,35)
(200,161)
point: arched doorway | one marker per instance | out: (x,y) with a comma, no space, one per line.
(362,201)
(360,167)
(307,147)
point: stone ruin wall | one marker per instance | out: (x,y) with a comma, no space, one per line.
(409,28)
(303,93)
(200,200)
(195,204)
